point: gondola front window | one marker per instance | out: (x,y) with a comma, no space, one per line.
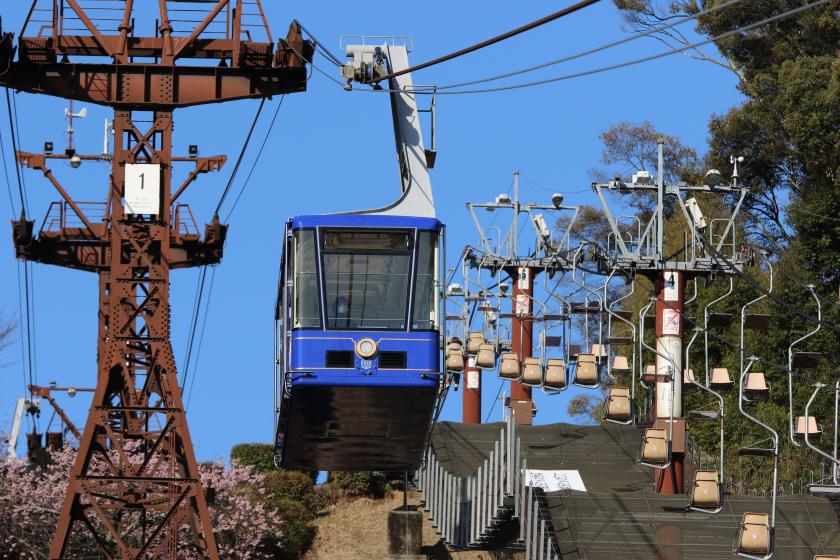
(366,279)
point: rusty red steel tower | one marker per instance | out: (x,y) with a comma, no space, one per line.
(135,485)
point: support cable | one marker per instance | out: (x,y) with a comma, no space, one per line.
(199,293)
(492,41)
(239,159)
(201,336)
(616,43)
(14,152)
(436,90)
(324,50)
(256,159)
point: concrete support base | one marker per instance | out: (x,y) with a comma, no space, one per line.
(405,535)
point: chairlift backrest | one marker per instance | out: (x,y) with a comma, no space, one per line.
(509,365)
(486,356)
(555,373)
(756,382)
(688,376)
(720,376)
(621,364)
(813,428)
(474,342)
(532,371)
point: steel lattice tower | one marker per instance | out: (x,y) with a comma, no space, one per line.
(135,484)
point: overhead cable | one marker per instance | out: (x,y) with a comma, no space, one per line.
(434,90)
(633,37)
(256,159)
(492,41)
(241,155)
(14,151)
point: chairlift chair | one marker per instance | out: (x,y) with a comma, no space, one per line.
(755,537)
(621,365)
(486,356)
(532,372)
(556,374)
(813,429)
(710,317)
(556,370)
(474,341)
(455,356)
(586,372)
(705,492)
(756,387)
(756,532)
(720,378)
(618,407)
(509,365)
(793,363)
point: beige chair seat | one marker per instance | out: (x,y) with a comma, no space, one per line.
(688,376)
(720,378)
(655,448)
(756,384)
(755,534)
(474,342)
(555,373)
(618,404)
(532,371)
(621,364)
(825,557)
(486,357)
(586,371)
(706,491)
(509,365)
(813,428)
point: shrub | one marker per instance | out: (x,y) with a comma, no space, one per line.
(295,486)
(362,484)
(297,533)
(257,455)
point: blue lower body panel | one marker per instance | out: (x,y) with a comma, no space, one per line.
(355,427)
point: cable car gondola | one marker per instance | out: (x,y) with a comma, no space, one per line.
(359,314)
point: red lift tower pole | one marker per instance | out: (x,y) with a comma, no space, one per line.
(472,393)
(669,341)
(521,402)
(135,486)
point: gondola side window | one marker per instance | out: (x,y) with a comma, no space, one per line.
(366,279)
(307,307)
(424,315)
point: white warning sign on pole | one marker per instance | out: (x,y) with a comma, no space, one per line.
(670,322)
(672,286)
(473,379)
(523,305)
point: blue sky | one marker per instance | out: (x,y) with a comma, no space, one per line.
(333,150)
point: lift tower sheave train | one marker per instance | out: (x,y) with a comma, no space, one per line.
(148,496)
(358,311)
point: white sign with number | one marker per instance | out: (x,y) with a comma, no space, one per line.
(524,278)
(142,188)
(553,481)
(672,286)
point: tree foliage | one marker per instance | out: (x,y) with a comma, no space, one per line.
(247,524)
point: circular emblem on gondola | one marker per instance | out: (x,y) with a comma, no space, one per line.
(366,348)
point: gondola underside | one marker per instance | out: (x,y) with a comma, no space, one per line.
(356,428)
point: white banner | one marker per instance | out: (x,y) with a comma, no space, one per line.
(473,379)
(672,286)
(554,481)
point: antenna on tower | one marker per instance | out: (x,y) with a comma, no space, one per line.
(75,160)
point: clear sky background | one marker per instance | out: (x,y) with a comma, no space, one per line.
(333,150)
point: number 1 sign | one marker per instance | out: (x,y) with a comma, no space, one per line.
(142,188)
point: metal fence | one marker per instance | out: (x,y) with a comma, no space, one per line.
(468,512)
